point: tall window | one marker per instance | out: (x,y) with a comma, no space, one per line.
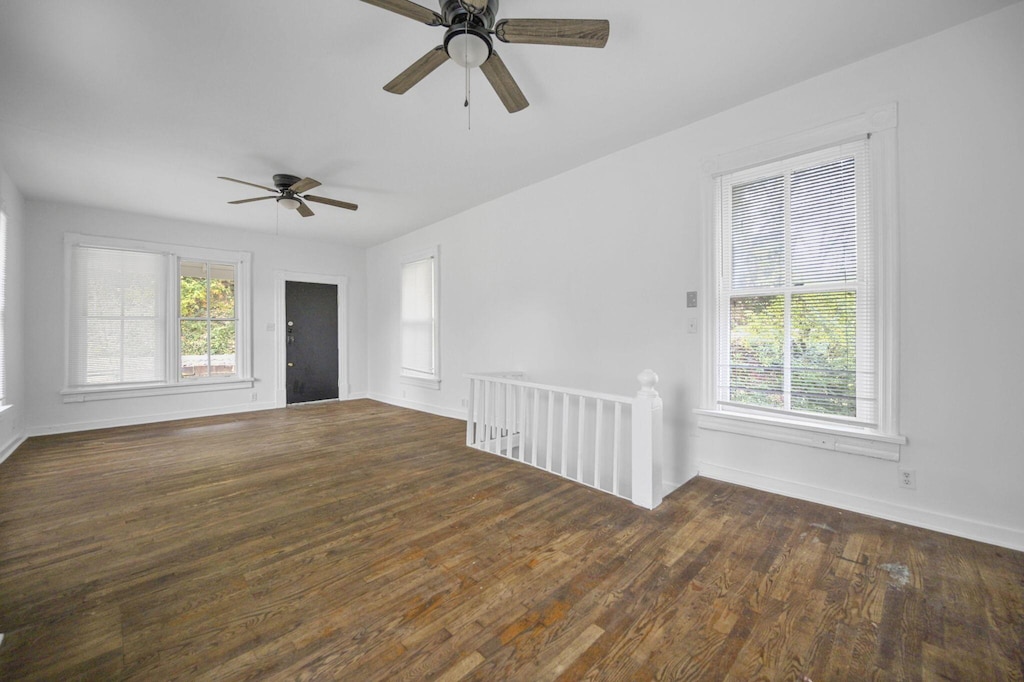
(3,302)
(419,320)
(124,333)
(208,321)
(795,299)
(800,335)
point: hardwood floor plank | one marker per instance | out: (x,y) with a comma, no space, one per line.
(360,541)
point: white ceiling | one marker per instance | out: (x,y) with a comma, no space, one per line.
(139,104)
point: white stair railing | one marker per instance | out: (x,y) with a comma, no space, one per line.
(609,442)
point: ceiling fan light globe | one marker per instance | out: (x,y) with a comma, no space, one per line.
(288,202)
(467,49)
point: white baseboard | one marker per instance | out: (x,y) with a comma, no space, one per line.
(9,449)
(449,412)
(1002,536)
(149,419)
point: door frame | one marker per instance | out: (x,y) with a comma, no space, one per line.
(281,322)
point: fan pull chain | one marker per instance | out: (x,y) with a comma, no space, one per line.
(469,109)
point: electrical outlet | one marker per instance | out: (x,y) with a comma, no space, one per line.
(465,402)
(908,479)
(255,396)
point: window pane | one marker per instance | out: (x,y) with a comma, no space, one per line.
(140,350)
(194,349)
(823,216)
(759,233)
(193,289)
(222,348)
(103,351)
(222,291)
(756,341)
(824,353)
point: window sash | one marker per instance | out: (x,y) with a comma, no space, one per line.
(419,318)
(213,320)
(793,232)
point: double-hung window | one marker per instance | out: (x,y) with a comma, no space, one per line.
(800,341)
(3,304)
(146,319)
(419,320)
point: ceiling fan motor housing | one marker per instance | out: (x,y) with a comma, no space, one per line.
(283,181)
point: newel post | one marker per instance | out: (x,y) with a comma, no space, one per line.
(647,443)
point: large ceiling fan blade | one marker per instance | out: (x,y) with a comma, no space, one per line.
(418,71)
(246,201)
(572,32)
(243,182)
(503,83)
(409,9)
(331,202)
(304,210)
(304,185)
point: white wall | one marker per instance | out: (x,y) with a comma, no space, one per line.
(580,279)
(47,224)
(12,419)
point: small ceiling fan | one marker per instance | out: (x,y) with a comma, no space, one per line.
(290,194)
(468,41)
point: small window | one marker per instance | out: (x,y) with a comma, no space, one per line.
(419,320)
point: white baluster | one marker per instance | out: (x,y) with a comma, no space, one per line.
(536,426)
(549,452)
(470,416)
(616,438)
(597,444)
(565,430)
(579,438)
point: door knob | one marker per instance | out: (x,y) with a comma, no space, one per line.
(291,364)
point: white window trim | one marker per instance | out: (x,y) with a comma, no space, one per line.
(883,441)
(412,377)
(174,383)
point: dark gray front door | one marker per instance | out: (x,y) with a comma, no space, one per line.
(311,326)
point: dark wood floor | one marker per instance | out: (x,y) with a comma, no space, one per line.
(359,541)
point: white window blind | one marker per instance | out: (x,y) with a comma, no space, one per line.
(796,295)
(3,302)
(419,318)
(117,319)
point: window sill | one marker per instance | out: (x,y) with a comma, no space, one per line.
(836,438)
(421,382)
(81,395)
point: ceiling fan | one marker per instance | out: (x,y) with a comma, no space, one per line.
(468,41)
(291,194)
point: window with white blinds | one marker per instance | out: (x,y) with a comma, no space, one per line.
(147,318)
(419,320)
(796,297)
(3,303)
(800,337)
(117,318)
